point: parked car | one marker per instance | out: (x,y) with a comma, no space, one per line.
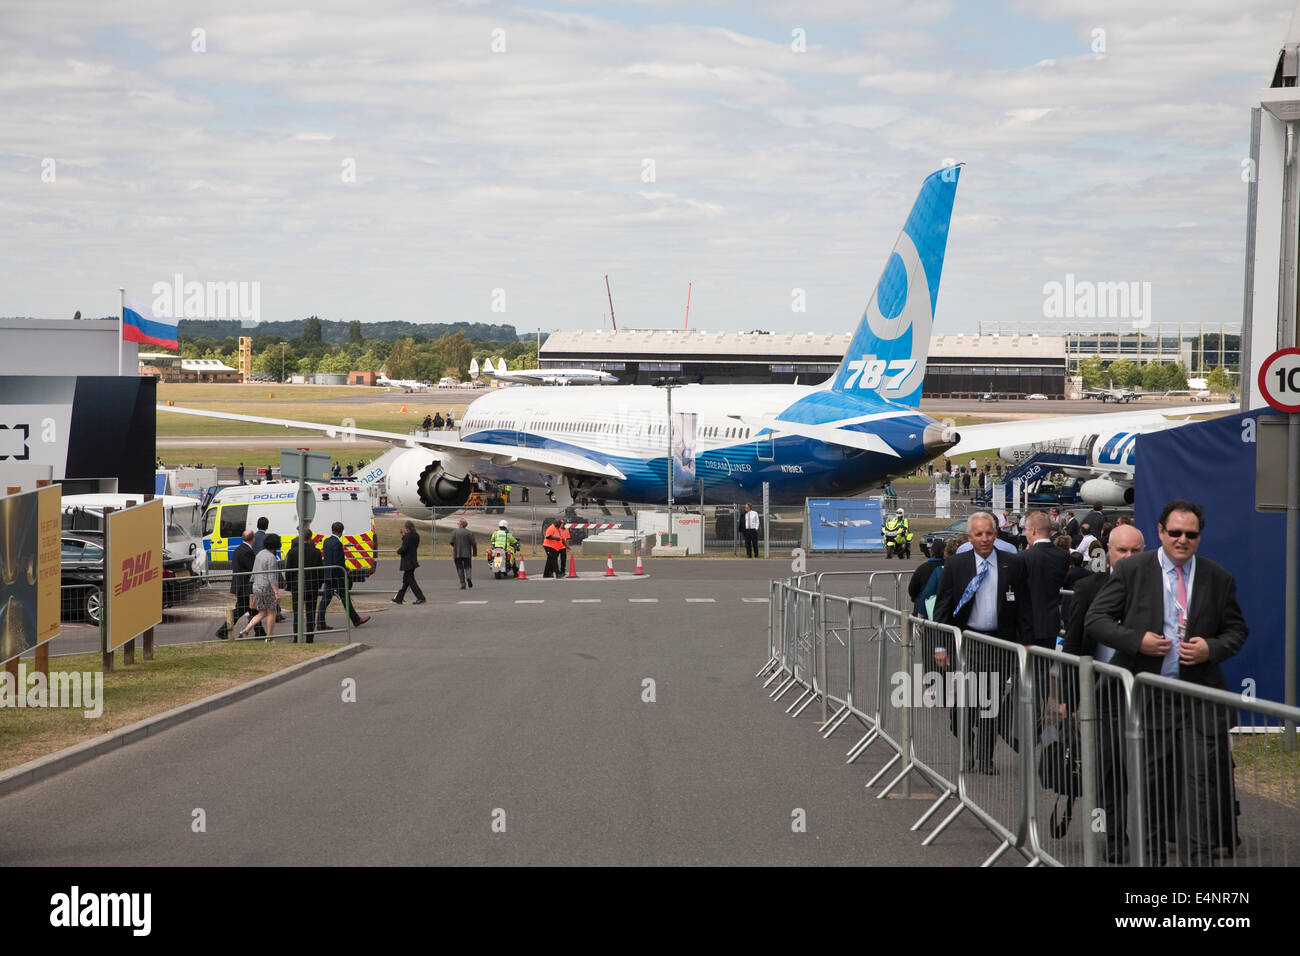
(1036,397)
(83,576)
(941,537)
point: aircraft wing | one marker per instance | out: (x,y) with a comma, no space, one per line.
(1030,431)
(543,460)
(830,434)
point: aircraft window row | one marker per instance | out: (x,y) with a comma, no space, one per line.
(714,431)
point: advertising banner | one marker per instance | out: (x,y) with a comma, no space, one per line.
(845,524)
(1000,496)
(683,453)
(133,571)
(30,570)
(943,500)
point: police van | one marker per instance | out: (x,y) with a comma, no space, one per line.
(182,522)
(234,509)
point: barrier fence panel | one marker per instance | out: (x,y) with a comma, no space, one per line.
(1069,761)
(1209,796)
(865,652)
(892,722)
(927,689)
(998,710)
(835,638)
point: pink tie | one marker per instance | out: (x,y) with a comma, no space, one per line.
(1182,595)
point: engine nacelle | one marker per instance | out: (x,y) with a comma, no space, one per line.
(1111,493)
(420,481)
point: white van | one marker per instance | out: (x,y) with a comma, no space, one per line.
(234,509)
(182,521)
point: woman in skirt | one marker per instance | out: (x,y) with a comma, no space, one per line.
(266,592)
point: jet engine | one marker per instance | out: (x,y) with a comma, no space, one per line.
(1111,493)
(421,480)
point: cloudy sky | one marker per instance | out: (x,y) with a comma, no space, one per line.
(404,160)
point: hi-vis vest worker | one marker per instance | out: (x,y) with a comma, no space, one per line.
(554,539)
(502,538)
(897,531)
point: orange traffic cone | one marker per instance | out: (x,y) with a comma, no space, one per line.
(573,567)
(639,569)
(609,566)
(522,576)
(403,410)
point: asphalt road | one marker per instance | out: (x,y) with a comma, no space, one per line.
(531,713)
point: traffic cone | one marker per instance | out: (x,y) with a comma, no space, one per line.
(609,566)
(573,567)
(639,569)
(403,410)
(522,576)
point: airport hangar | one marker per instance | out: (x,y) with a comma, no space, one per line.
(959,366)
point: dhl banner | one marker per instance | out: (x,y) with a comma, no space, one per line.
(30,569)
(133,571)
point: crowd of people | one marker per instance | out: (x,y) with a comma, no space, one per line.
(259,577)
(436,422)
(1166,611)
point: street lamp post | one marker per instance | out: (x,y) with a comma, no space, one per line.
(668,384)
(282,345)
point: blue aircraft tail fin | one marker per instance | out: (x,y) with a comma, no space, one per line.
(887,356)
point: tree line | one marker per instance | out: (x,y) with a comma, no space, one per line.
(423,356)
(1151,377)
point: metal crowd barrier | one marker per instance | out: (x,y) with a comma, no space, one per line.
(1067,761)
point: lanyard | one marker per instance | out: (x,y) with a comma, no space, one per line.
(1171,590)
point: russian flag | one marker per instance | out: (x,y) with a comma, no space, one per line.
(143,325)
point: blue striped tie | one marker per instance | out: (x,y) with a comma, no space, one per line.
(974,586)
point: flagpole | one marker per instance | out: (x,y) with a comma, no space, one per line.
(121,316)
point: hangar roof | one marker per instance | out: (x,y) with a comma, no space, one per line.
(617,345)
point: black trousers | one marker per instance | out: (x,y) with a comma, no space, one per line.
(408,581)
(328,590)
(552,569)
(305,604)
(751,542)
(564,561)
(1188,785)
(463,569)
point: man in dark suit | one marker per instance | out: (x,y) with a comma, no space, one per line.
(334,581)
(1172,613)
(311,562)
(406,551)
(241,585)
(1046,566)
(987,591)
(1093,521)
(1112,784)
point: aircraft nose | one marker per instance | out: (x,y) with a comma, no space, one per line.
(937,439)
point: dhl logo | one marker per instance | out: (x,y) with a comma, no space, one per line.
(135,572)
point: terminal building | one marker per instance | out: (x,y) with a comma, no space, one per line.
(959,366)
(168,367)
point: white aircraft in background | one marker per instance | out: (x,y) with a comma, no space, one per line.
(401,383)
(543,376)
(1112,394)
(833,439)
(1107,443)
(847,523)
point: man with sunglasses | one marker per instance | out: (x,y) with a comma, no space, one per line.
(1172,613)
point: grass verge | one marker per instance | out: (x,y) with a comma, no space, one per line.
(177,675)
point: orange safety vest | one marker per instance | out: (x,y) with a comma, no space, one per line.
(564,535)
(553,538)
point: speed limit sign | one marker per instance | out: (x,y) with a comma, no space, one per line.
(1279,380)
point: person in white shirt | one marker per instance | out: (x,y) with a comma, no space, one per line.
(750,527)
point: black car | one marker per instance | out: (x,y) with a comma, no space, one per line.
(83,576)
(956,530)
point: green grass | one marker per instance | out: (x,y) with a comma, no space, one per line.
(177,675)
(1265,769)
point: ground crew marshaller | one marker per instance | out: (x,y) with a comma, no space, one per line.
(552,542)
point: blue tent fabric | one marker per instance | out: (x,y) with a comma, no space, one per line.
(1212,464)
